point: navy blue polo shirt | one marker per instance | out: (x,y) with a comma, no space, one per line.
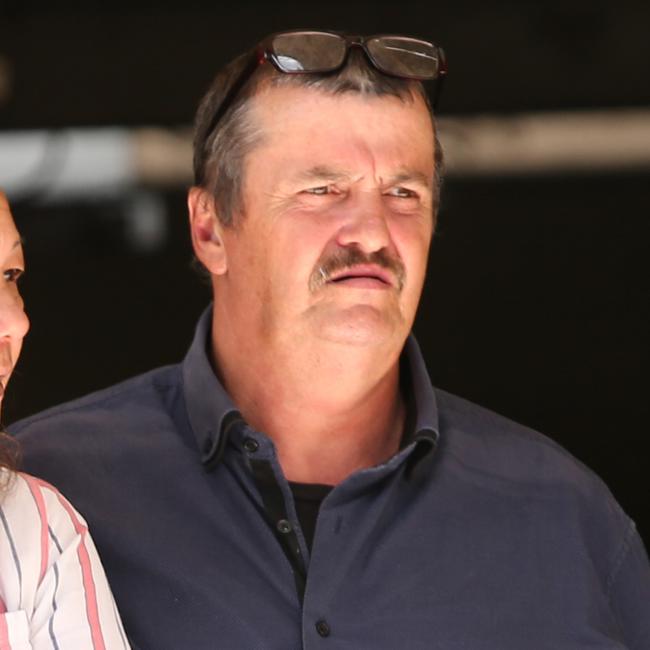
(478,534)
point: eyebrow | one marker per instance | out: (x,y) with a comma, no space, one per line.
(412,176)
(324,173)
(321,172)
(19,242)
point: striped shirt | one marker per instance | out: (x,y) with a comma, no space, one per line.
(53,590)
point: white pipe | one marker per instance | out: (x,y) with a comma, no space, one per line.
(87,163)
(541,143)
(67,164)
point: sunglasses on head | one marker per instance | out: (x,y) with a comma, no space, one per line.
(304,52)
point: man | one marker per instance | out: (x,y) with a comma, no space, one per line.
(296,482)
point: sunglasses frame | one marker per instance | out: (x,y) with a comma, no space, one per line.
(263,52)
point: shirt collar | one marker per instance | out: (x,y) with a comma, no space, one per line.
(421,399)
(209,407)
(212,412)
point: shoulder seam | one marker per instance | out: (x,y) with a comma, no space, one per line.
(80,403)
(528,434)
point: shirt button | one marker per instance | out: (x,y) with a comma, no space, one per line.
(251,445)
(323,628)
(283,526)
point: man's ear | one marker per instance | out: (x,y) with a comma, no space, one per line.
(206,230)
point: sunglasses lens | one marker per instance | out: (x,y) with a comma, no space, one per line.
(405,57)
(308,51)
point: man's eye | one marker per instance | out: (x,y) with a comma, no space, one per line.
(12,275)
(403,193)
(319,191)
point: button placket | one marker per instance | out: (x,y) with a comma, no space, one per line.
(273,498)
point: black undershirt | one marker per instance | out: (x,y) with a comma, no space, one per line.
(308,498)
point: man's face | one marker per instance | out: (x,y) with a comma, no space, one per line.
(337,221)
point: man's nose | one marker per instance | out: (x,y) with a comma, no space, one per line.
(366,225)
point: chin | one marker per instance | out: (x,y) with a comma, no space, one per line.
(362,326)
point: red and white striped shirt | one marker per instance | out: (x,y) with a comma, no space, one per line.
(53,590)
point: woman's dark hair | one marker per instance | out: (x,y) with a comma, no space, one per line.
(9,456)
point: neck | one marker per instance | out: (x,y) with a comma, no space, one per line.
(329,412)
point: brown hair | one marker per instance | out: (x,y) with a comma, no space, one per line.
(219,155)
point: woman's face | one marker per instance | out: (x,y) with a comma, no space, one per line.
(13,320)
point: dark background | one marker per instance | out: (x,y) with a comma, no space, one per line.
(536,299)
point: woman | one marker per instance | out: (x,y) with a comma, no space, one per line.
(53,591)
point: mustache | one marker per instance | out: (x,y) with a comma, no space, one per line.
(347,258)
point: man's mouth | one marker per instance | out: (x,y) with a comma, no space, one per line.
(351,268)
(363,276)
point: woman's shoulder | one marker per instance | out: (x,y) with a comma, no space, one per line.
(37,525)
(49,568)
(35,518)
(16,497)
(31,504)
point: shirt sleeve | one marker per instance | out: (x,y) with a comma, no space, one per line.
(629,591)
(53,589)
